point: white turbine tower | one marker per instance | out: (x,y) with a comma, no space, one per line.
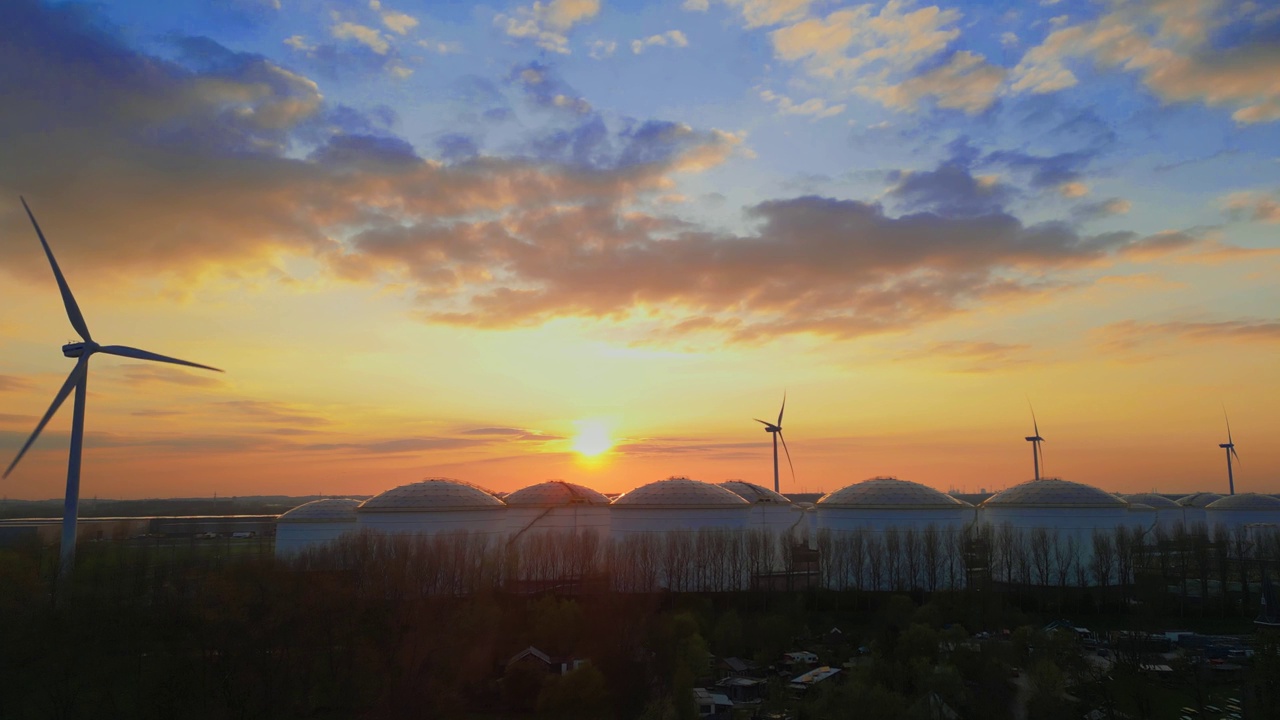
(1230,447)
(1035,441)
(775,429)
(77,381)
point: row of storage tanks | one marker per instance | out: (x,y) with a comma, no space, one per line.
(442,505)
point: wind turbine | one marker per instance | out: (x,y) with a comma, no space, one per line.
(1230,447)
(1035,441)
(77,380)
(775,429)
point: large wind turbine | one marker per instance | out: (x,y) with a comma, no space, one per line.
(1230,447)
(1035,441)
(775,429)
(77,381)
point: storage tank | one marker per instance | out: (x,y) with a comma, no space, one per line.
(433,506)
(1067,512)
(880,503)
(1169,513)
(314,524)
(1236,511)
(556,506)
(770,512)
(677,504)
(1194,505)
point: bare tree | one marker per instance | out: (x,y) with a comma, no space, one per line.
(934,552)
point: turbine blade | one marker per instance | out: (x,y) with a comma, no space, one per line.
(783,409)
(68,300)
(1236,454)
(762,422)
(77,372)
(788,452)
(1224,417)
(124,351)
(1034,424)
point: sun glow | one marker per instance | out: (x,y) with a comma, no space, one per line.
(592,438)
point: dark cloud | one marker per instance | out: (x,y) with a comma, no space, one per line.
(1131,334)
(1100,209)
(513,433)
(1043,171)
(455,147)
(950,190)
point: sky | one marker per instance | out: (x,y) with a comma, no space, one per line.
(484,241)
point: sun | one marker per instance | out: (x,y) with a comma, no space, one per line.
(592,438)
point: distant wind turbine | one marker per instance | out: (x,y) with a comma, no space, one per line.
(1035,441)
(1230,447)
(775,429)
(78,381)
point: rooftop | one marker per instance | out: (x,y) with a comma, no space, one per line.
(1245,501)
(324,510)
(433,494)
(680,492)
(754,493)
(554,493)
(1054,492)
(887,492)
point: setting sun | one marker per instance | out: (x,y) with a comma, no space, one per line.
(592,439)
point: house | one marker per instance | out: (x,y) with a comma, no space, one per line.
(813,677)
(712,706)
(800,657)
(554,666)
(743,690)
(736,667)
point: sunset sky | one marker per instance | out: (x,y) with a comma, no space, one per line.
(447,239)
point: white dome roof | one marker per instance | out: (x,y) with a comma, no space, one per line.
(554,493)
(1139,507)
(678,492)
(1156,501)
(884,492)
(433,494)
(325,510)
(1246,501)
(1199,500)
(1052,492)
(754,493)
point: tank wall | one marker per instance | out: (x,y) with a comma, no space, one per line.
(563,518)
(629,520)
(1232,519)
(1049,542)
(295,537)
(474,522)
(880,520)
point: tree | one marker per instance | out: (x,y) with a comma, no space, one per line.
(580,693)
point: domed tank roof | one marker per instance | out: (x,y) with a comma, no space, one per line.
(754,493)
(886,492)
(1140,507)
(1246,501)
(324,510)
(432,494)
(1053,492)
(1158,502)
(679,492)
(1199,500)
(554,493)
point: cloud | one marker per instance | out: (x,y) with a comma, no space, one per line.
(269,412)
(891,56)
(362,34)
(1130,335)
(1102,208)
(397,22)
(673,38)
(138,374)
(695,5)
(1173,47)
(970,356)
(601,49)
(394,446)
(547,24)
(1254,205)
(817,107)
(965,82)
(1008,39)
(11,383)
(764,13)
(513,433)
(951,191)
(1073,189)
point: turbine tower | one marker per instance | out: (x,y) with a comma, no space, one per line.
(1230,447)
(77,380)
(1035,441)
(775,429)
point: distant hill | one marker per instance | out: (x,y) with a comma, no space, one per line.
(245,505)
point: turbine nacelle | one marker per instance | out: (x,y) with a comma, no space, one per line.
(76,349)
